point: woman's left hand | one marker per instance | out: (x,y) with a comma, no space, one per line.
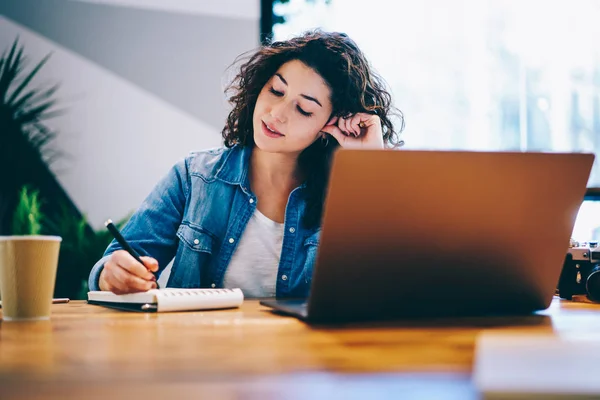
(358,131)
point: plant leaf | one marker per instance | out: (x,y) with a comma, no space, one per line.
(12,65)
(33,114)
(27,217)
(30,99)
(28,79)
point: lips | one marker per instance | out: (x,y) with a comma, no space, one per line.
(270,132)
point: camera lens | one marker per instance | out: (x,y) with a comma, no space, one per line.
(592,284)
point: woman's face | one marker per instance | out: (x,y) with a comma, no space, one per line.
(291,109)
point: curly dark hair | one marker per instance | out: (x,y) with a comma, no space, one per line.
(355,88)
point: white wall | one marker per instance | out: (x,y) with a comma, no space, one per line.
(243,9)
(119,137)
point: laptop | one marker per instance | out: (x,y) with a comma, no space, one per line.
(410,234)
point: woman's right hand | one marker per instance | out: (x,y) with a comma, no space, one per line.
(123,274)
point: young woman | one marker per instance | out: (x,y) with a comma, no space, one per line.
(248,214)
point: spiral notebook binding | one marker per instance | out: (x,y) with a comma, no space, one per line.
(197,292)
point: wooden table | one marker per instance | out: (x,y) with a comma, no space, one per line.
(96,353)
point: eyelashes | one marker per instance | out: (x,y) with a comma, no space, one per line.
(275,92)
(300,110)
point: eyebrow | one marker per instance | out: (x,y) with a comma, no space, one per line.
(303,95)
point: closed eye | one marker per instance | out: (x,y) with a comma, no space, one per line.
(300,110)
(275,92)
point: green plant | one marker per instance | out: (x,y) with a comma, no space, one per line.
(24,136)
(80,249)
(27,219)
(25,156)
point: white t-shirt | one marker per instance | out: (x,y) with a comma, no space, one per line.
(255,262)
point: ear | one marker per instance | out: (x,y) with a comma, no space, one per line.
(332,121)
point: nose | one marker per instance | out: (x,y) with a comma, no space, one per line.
(278,111)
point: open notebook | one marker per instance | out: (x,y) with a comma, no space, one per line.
(159,300)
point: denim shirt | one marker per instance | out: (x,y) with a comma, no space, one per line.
(196,215)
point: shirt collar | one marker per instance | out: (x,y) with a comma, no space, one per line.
(234,167)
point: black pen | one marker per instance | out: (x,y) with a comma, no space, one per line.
(124,244)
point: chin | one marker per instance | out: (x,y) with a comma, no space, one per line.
(267,145)
(263,142)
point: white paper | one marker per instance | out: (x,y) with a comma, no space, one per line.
(197,299)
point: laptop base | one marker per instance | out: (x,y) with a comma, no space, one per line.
(296,308)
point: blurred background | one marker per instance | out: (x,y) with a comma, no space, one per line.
(480,74)
(131,86)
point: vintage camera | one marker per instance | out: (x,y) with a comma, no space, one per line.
(581,271)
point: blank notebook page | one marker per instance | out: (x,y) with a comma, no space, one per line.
(537,366)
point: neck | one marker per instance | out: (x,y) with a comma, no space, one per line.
(273,170)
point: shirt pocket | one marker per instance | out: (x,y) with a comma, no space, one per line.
(192,268)
(195,238)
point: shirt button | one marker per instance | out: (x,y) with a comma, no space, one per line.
(292,230)
(284,277)
(213,285)
(251,201)
(196,241)
(231,240)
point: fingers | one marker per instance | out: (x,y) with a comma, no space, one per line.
(355,124)
(349,128)
(351,125)
(150,263)
(123,274)
(126,261)
(335,132)
(120,281)
(356,130)
(343,125)
(360,130)
(125,282)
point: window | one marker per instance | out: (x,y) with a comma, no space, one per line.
(479,74)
